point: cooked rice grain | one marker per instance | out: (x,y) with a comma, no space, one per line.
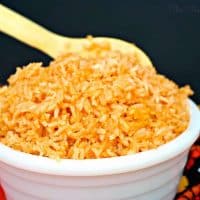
(95,106)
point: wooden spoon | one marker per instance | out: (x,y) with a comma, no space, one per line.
(53,44)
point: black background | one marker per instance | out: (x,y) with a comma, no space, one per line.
(169,31)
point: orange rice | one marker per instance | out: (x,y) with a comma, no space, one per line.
(98,105)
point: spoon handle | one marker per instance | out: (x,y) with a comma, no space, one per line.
(28,32)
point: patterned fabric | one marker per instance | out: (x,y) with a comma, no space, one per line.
(189,187)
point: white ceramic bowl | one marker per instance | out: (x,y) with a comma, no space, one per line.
(150,175)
